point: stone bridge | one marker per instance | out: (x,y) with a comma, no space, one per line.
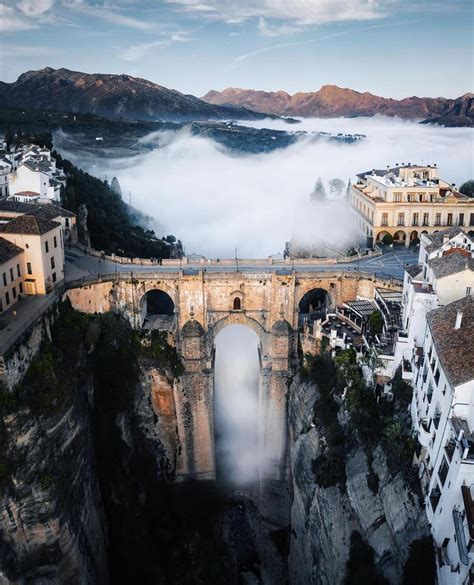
(194,308)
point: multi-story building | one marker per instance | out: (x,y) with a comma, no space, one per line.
(4,175)
(434,348)
(443,417)
(43,251)
(444,273)
(407,201)
(11,274)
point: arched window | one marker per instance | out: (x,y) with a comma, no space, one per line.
(237,304)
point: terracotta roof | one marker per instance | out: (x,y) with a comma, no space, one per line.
(454,346)
(451,264)
(29,224)
(8,250)
(50,211)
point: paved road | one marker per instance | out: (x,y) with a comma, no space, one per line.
(391,264)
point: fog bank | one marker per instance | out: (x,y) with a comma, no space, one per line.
(217,201)
(236,404)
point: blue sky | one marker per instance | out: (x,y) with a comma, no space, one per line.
(394,48)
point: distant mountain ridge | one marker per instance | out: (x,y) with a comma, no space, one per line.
(332,101)
(109,95)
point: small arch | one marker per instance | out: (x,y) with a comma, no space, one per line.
(381,236)
(315,300)
(237,304)
(414,238)
(156,309)
(399,237)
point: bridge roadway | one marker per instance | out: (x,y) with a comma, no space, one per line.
(389,265)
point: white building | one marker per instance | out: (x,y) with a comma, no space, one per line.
(445,273)
(34,172)
(443,417)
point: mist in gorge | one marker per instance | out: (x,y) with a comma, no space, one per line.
(236,404)
(218,201)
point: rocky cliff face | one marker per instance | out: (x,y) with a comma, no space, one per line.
(53,524)
(332,101)
(323,518)
(108,95)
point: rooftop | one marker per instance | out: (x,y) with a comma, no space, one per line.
(29,224)
(27,193)
(8,250)
(451,264)
(437,239)
(454,346)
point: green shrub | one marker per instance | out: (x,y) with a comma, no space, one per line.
(163,354)
(329,470)
(360,568)
(376,323)
(387,240)
(420,566)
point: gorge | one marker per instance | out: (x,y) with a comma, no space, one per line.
(111,476)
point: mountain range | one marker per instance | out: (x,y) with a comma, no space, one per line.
(332,101)
(124,96)
(109,95)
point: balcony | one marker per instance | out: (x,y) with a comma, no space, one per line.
(465,439)
(469,509)
(458,518)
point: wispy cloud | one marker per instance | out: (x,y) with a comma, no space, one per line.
(303,12)
(245,56)
(266,29)
(10,50)
(12,20)
(136,52)
(108,12)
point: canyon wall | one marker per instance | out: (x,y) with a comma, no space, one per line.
(323,518)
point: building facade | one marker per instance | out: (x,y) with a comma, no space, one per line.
(407,201)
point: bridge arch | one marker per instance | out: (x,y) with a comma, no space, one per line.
(156,308)
(236,318)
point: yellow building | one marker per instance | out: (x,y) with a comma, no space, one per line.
(11,274)
(43,258)
(407,201)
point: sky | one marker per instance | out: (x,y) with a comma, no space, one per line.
(394,48)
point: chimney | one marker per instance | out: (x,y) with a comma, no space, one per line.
(445,238)
(457,325)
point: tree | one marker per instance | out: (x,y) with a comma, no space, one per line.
(336,187)
(467,188)
(420,566)
(319,192)
(360,568)
(387,240)
(376,323)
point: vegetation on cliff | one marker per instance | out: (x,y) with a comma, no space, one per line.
(114,226)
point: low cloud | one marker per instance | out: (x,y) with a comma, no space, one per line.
(236,404)
(216,201)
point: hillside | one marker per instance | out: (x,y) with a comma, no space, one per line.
(332,101)
(108,95)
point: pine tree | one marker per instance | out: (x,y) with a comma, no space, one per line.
(336,186)
(319,192)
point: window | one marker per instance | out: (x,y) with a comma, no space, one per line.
(468,290)
(384,218)
(7,298)
(5,279)
(54,276)
(415,219)
(237,304)
(14,292)
(450,219)
(397,197)
(46,246)
(1,305)
(67,221)
(28,268)
(52,262)
(426,219)
(55,240)
(461,219)
(18,271)
(443,471)
(12,278)
(20,286)
(401,219)
(438,219)
(471,219)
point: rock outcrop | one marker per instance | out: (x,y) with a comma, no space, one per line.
(323,519)
(332,101)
